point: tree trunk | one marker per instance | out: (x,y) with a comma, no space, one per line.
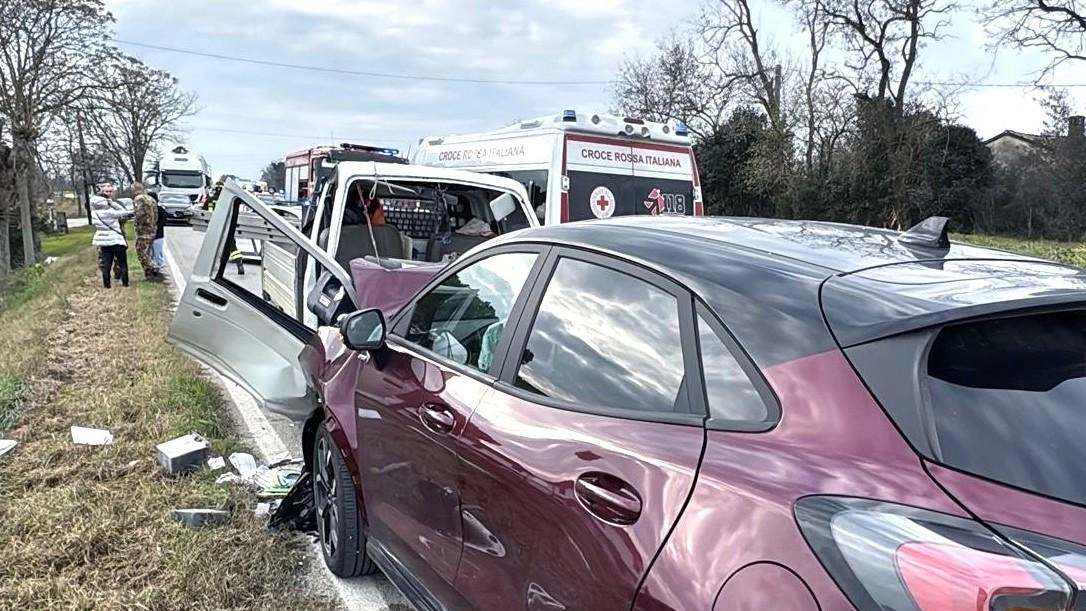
(22,192)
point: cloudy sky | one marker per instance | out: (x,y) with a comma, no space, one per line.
(252,114)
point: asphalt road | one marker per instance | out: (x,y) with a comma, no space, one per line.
(274,434)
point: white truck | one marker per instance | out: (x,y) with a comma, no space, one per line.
(579,166)
(432,215)
(180,172)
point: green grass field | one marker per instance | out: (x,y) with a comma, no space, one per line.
(92,527)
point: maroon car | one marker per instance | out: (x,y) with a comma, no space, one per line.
(678,414)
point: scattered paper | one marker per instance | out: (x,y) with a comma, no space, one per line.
(263,509)
(244,463)
(6,445)
(215,463)
(91,437)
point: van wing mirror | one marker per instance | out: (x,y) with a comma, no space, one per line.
(503,205)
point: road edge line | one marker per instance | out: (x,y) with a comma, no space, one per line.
(268,443)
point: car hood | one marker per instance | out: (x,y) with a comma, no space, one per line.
(1018,515)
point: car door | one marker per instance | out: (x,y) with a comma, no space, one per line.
(580,459)
(235,332)
(414,399)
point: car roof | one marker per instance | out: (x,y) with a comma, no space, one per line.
(420,172)
(770,280)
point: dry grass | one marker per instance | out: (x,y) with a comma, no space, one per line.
(92,528)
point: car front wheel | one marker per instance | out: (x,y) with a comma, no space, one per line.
(339,522)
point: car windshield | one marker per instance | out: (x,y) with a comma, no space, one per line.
(1006,401)
(182,180)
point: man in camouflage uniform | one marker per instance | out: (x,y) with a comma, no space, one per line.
(146,217)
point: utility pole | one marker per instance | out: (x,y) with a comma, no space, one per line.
(83,167)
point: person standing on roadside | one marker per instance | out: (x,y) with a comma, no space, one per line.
(108,237)
(146,213)
(158,246)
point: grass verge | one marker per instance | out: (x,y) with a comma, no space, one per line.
(92,528)
(1070,253)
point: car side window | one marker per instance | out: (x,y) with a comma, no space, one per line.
(729,392)
(463,318)
(604,338)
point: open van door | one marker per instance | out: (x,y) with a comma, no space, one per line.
(235,332)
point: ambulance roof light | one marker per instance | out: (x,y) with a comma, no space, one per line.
(569,115)
(681,129)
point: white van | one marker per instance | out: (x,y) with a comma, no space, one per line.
(582,166)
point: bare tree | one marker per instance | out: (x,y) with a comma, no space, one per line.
(741,56)
(137,108)
(674,83)
(49,53)
(1055,27)
(886,36)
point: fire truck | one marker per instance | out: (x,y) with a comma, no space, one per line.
(307,168)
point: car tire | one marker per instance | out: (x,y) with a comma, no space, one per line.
(339,521)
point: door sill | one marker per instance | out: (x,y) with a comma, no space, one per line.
(405,582)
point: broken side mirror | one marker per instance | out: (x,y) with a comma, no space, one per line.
(328,300)
(363,330)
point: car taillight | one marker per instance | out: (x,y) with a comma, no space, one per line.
(889,557)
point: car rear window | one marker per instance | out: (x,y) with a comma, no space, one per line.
(1005,400)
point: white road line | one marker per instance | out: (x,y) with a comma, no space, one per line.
(356,594)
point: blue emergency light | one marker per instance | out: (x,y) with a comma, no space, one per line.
(681,129)
(569,115)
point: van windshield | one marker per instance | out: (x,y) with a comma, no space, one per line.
(182,180)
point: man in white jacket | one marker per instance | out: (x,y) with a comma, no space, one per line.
(108,235)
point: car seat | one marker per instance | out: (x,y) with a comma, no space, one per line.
(355,243)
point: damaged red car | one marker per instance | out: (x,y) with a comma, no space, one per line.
(658,414)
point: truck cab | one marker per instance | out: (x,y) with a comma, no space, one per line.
(430,216)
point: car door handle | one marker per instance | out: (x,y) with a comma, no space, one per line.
(438,418)
(211,297)
(608,498)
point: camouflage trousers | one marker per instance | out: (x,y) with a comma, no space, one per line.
(143,251)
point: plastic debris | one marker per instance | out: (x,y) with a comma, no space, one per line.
(183,454)
(263,509)
(216,462)
(195,518)
(244,463)
(227,478)
(276,481)
(297,510)
(91,437)
(6,445)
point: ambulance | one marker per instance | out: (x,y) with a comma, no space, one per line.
(579,166)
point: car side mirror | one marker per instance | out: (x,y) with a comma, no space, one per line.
(363,330)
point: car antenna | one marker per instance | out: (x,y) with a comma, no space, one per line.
(928,233)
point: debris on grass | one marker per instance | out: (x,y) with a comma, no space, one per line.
(183,454)
(96,529)
(244,463)
(196,518)
(6,445)
(91,437)
(216,462)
